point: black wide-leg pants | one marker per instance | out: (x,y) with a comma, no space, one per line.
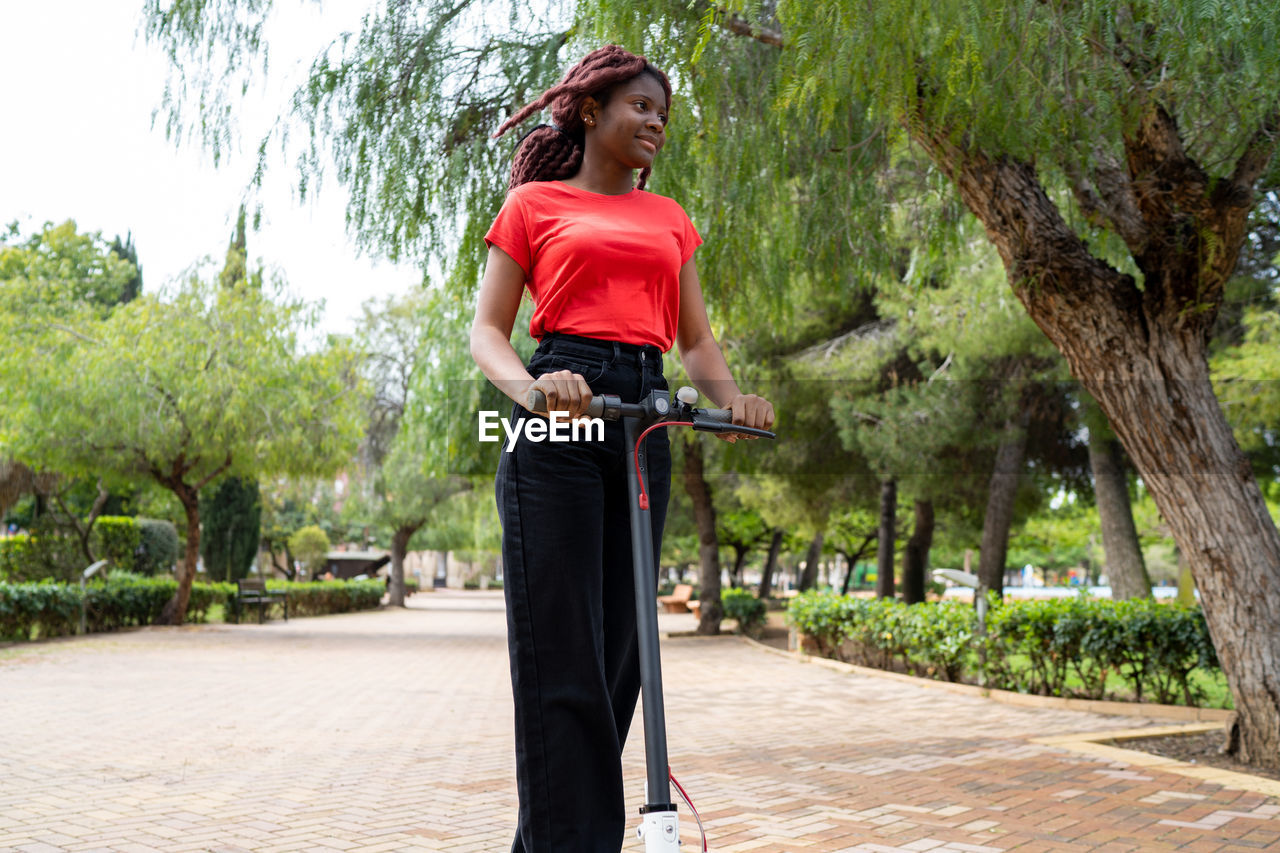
(571,609)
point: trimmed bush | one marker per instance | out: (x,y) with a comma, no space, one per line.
(116,538)
(745,608)
(158,547)
(317,598)
(1054,647)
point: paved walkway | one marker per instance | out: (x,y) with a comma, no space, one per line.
(391,731)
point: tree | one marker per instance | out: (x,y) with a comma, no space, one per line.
(231,534)
(414,360)
(1090,141)
(310,546)
(233,521)
(1126,568)
(60,270)
(126,251)
(208,383)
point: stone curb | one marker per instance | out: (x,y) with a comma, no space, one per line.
(1090,744)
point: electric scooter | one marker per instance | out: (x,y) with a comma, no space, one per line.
(660,824)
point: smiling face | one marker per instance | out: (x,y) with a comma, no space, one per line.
(631,126)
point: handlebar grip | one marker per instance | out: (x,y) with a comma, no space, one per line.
(537,403)
(721,421)
(720,416)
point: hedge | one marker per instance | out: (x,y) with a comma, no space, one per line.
(1054,647)
(141,545)
(46,609)
(317,598)
(748,610)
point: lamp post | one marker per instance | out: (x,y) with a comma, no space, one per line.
(84,576)
(980,602)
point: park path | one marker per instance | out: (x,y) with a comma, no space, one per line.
(391,730)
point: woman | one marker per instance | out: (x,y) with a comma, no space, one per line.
(610,270)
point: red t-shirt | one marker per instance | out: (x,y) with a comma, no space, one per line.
(600,266)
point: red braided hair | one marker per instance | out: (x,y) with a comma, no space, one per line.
(550,153)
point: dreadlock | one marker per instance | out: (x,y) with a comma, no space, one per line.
(554,152)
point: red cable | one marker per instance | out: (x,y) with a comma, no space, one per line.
(689,803)
(644,493)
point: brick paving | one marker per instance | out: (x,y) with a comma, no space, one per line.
(391,730)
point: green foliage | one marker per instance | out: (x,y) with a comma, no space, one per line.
(31,611)
(158,546)
(1031,79)
(421,419)
(318,598)
(126,251)
(13,556)
(309,545)
(44,610)
(179,389)
(213,379)
(60,271)
(1247,382)
(741,605)
(117,538)
(46,553)
(230,526)
(1054,647)
(38,610)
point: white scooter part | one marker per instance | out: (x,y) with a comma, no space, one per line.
(660,831)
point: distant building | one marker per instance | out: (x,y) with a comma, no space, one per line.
(348,564)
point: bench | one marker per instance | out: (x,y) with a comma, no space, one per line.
(678,600)
(254,591)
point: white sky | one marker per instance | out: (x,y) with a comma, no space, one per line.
(77,89)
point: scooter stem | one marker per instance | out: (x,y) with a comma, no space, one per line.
(658,789)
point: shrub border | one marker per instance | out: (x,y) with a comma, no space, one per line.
(1184,713)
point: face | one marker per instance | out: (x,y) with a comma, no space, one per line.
(631,126)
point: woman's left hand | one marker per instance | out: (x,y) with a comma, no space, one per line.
(749,410)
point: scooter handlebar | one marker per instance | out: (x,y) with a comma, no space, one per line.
(611,408)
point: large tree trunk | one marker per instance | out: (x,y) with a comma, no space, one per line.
(1205,489)
(1141,351)
(994,550)
(176,610)
(915,558)
(710,611)
(809,577)
(887,537)
(770,565)
(399,547)
(1126,570)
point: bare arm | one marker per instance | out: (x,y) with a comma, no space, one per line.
(496,309)
(704,361)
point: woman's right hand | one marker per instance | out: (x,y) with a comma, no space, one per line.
(565,391)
